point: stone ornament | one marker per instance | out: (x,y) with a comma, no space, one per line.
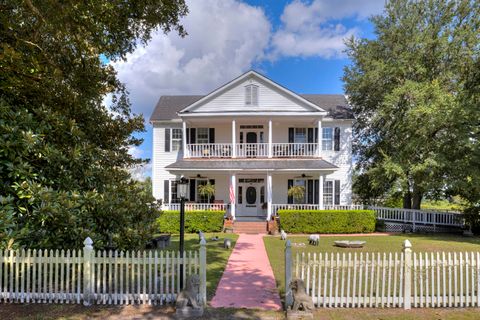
(303,306)
(186,304)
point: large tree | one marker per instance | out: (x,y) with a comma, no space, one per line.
(409,91)
(64,154)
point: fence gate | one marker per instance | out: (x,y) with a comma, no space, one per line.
(97,277)
(391,279)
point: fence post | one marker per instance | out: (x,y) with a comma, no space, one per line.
(203,271)
(288,274)
(87,271)
(407,281)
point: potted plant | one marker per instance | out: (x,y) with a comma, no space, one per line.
(297,193)
(206,190)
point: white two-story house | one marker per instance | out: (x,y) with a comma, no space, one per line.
(253,139)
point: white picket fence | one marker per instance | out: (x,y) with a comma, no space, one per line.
(391,279)
(97,277)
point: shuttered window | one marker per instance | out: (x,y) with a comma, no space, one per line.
(328,193)
(251,95)
(327,138)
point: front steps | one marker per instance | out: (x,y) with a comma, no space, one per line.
(250,227)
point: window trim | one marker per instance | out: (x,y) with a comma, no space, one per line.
(180,148)
(329,140)
(249,96)
(332,194)
(196,136)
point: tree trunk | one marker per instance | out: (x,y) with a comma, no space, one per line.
(416,199)
(407,200)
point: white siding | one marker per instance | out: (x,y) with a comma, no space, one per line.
(161,159)
(269,99)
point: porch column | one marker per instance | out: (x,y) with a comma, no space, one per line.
(233,194)
(320,192)
(270,146)
(319,138)
(234,139)
(269,196)
(184,140)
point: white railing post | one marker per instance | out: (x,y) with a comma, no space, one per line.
(234,139)
(407,281)
(203,272)
(270,147)
(288,274)
(87,272)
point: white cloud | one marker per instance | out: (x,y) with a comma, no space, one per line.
(135,151)
(225,38)
(314,29)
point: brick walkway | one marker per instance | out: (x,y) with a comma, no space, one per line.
(248,280)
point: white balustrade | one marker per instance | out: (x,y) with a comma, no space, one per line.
(209,150)
(252,150)
(419,216)
(196,206)
(293,150)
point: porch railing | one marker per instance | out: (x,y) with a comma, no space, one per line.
(252,150)
(292,150)
(209,150)
(301,206)
(196,206)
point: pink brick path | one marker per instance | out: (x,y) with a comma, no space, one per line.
(248,280)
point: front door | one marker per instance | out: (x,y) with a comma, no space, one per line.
(250,193)
(251,144)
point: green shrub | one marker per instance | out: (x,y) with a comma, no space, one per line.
(327,221)
(206,221)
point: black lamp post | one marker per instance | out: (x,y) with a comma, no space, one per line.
(182,186)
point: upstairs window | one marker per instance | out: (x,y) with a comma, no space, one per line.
(327,138)
(251,95)
(202,135)
(176,139)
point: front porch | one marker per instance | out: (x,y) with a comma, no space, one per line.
(259,193)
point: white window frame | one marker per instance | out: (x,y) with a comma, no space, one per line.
(197,131)
(178,140)
(326,140)
(250,96)
(305,135)
(328,197)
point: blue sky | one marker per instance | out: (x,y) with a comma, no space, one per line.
(298,44)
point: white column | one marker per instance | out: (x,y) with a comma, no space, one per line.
(184,140)
(320,192)
(270,146)
(319,138)
(233,183)
(234,139)
(269,196)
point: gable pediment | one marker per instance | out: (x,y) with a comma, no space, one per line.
(234,97)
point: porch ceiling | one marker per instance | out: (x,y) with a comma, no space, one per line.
(253,165)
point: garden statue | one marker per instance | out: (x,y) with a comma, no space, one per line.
(201,236)
(302,303)
(227,243)
(283,235)
(314,239)
(186,304)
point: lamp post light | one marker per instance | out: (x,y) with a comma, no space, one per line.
(182,186)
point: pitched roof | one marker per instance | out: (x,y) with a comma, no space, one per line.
(168,106)
(252,164)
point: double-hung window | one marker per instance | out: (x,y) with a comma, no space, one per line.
(176,139)
(327,138)
(251,95)
(300,135)
(301,183)
(328,193)
(202,135)
(174,194)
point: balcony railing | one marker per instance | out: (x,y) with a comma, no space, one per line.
(303,206)
(252,150)
(210,150)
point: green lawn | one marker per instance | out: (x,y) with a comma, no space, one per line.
(217,256)
(393,243)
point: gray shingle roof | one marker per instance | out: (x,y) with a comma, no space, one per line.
(253,164)
(168,106)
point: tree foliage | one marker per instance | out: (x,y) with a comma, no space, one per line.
(414,92)
(64,154)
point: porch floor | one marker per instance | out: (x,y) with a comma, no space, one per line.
(250,219)
(248,280)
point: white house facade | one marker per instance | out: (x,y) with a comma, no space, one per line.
(253,139)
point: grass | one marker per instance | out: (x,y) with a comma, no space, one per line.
(393,243)
(217,256)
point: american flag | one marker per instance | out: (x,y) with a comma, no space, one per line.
(232,194)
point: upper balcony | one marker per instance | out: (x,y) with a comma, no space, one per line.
(252,150)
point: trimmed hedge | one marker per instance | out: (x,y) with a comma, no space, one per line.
(327,221)
(206,221)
